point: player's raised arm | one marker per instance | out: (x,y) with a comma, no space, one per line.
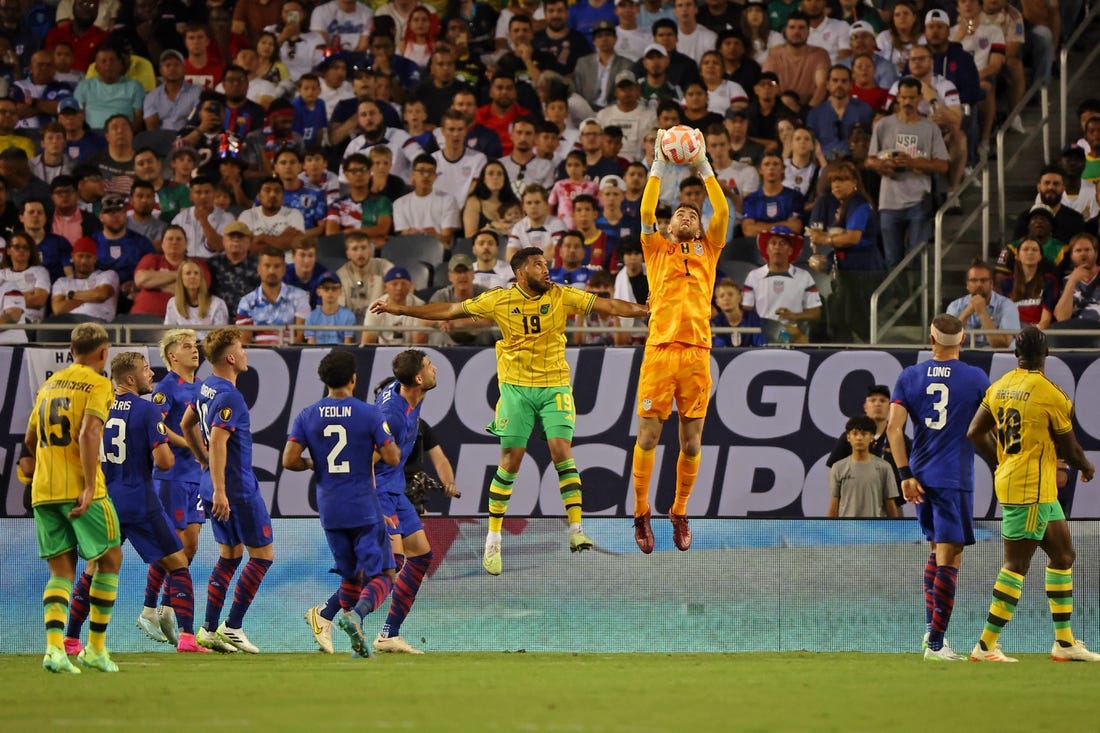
(427,312)
(719,223)
(652,191)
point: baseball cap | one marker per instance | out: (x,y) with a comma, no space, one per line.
(612,181)
(625,77)
(113,202)
(768,76)
(589,121)
(328,277)
(880,389)
(655,47)
(396,273)
(458,261)
(603,26)
(68,104)
(171,53)
(1041,210)
(237,227)
(737,114)
(85,246)
(861,26)
(758,3)
(937,16)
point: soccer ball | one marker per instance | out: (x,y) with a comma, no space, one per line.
(681,144)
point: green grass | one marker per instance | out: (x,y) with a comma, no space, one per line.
(633,693)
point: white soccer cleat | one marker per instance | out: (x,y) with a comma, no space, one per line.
(491,560)
(945,654)
(321,628)
(394,644)
(150,624)
(166,616)
(237,639)
(924,640)
(992,655)
(210,640)
(1075,653)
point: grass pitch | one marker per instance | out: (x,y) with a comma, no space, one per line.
(635,693)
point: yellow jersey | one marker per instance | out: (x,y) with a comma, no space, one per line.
(59,411)
(1029,410)
(531,351)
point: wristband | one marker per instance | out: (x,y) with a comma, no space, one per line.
(658,168)
(905,472)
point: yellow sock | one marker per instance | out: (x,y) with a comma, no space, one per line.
(687,470)
(55,608)
(569,484)
(1006,594)
(1060,598)
(500,492)
(101,602)
(642,472)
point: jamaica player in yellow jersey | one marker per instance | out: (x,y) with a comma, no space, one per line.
(1024,424)
(69,494)
(681,271)
(533,376)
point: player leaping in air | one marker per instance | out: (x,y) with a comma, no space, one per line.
(681,271)
(533,376)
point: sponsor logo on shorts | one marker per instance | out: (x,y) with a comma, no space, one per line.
(267,531)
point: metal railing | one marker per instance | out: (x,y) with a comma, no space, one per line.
(941,248)
(921,292)
(1068,79)
(1041,88)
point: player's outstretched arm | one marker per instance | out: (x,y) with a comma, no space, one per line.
(981,434)
(652,191)
(1070,450)
(607,307)
(427,312)
(895,434)
(293,460)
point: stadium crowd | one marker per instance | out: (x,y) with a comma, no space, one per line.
(275,163)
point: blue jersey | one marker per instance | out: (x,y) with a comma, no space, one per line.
(342,436)
(941,398)
(310,202)
(310,123)
(132,430)
(173,395)
(404,423)
(121,255)
(221,405)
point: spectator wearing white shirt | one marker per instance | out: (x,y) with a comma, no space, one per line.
(537,228)
(398,286)
(426,211)
(489,270)
(828,33)
(335,86)
(343,23)
(522,165)
(203,222)
(779,290)
(271,223)
(24,284)
(631,40)
(89,292)
(458,166)
(372,130)
(693,40)
(628,114)
(299,51)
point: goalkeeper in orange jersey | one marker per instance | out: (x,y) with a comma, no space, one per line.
(681,271)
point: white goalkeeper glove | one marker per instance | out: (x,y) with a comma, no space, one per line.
(660,162)
(701,164)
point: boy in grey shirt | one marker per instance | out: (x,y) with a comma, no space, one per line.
(862,485)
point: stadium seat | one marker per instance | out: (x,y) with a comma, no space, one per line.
(464,246)
(409,248)
(1059,341)
(420,273)
(439,277)
(161,141)
(331,252)
(736,270)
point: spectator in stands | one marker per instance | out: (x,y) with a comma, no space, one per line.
(1056,254)
(502,110)
(862,484)
(489,271)
(827,33)
(682,68)
(845,220)
(744,149)
(141,217)
(862,42)
(89,292)
(864,86)
(346,214)
(438,90)
(229,193)
(53,161)
(656,84)
(803,161)
(876,406)
(80,33)
(329,312)
(315,174)
(9,138)
(779,291)
(562,45)
(204,137)
(169,198)
(362,275)
(1011,24)
(79,139)
(252,16)
(272,224)
(274,303)
(22,272)
(385,329)
(595,75)
(260,90)
(464,285)
(538,228)
(242,115)
(982,308)
(1031,287)
(69,220)
(262,146)
(952,62)
(800,66)
(575,183)
(203,222)
(833,119)
(612,221)
(484,206)
(200,67)
(156,274)
(569,264)
(110,93)
(907,150)
(372,131)
(36,95)
(424,210)
(120,249)
(772,203)
(15,168)
(729,313)
(633,118)
(985,42)
(304,272)
(1078,194)
(602,283)
(234,271)
(192,303)
(169,105)
(116,161)
(586,15)
(598,250)
(51,250)
(757,30)
(903,32)
(1080,298)
(1051,188)
(458,165)
(522,165)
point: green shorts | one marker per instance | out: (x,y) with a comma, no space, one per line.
(1029,521)
(519,407)
(92,533)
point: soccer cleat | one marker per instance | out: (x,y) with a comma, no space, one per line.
(150,624)
(73,646)
(55,660)
(681,532)
(188,643)
(993,655)
(643,532)
(352,625)
(579,541)
(395,644)
(1075,653)
(166,616)
(211,641)
(945,654)
(924,640)
(236,638)
(97,660)
(321,628)
(491,560)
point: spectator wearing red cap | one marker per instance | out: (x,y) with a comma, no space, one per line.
(779,290)
(89,292)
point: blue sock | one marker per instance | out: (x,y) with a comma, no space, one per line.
(331,606)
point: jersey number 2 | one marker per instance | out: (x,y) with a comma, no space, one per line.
(940,393)
(341,434)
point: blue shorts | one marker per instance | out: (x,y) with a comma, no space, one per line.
(399,509)
(361,553)
(154,537)
(249,524)
(182,501)
(947,515)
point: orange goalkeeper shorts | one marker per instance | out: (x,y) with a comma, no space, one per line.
(674,371)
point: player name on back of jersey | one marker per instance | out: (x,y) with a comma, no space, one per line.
(939,371)
(120,405)
(334,410)
(1013,394)
(208,391)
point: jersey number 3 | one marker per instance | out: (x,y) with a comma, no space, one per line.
(940,395)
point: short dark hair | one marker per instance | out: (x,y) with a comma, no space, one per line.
(862,423)
(796,15)
(585,198)
(425,159)
(630,245)
(274,181)
(273,252)
(519,259)
(407,365)
(357,158)
(138,183)
(1055,169)
(691,181)
(1031,345)
(336,369)
(664,23)
(119,116)
(909,82)
(199,181)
